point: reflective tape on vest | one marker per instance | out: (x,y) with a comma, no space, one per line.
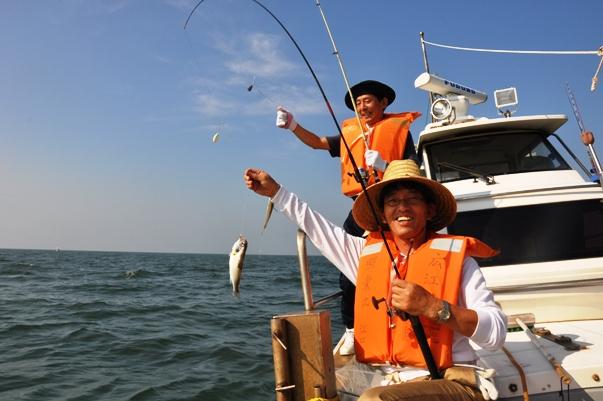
(372,249)
(447,244)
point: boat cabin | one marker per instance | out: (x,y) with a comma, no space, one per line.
(517,192)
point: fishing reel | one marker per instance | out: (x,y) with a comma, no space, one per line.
(390,311)
(361,176)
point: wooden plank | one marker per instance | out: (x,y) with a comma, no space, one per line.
(309,354)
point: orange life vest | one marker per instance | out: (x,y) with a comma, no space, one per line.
(388,137)
(437,266)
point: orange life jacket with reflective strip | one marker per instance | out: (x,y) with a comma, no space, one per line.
(437,266)
(388,137)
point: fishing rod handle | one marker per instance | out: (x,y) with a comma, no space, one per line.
(424,345)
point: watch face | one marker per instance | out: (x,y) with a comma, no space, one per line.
(444,313)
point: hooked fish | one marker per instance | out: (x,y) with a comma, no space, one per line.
(235,263)
(269,209)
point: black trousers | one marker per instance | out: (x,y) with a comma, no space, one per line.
(348,288)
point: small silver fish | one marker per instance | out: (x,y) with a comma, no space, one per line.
(235,263)
(269,209)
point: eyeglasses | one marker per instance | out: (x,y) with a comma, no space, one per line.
(410,201)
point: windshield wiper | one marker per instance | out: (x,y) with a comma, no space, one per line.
(478,175)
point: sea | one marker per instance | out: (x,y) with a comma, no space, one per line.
(145,326)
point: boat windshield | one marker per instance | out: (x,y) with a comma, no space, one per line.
(537,233)
(493,154)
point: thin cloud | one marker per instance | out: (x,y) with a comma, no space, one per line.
(262,58)
(253,58)
(212,106)
(301,100)
(104,7)
(180,4)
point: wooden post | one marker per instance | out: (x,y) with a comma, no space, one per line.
(309,355)
(281,363)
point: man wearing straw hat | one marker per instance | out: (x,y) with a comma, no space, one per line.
(439,281)
(375,138)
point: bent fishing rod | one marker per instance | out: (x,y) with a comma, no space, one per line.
(415,322)
(357,173)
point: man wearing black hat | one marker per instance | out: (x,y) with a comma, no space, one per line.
(375,139)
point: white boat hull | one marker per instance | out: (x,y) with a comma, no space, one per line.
(584,366)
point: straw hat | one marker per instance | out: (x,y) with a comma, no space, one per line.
(374,88)
(405,171)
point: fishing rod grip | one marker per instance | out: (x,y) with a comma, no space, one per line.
(422,340)
(423,344)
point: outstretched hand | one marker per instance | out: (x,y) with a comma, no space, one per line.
(260,182)
(284,119)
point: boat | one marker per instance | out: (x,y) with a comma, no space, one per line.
(520,189)
(517,192)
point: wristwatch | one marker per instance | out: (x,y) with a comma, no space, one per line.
(444,313)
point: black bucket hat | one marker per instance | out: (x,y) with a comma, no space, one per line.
(370,87)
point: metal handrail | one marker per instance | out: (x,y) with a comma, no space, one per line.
(306,280)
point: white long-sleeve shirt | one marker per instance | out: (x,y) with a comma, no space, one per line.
(343,250)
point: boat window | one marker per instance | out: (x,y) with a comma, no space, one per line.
(493,154)
(536,233)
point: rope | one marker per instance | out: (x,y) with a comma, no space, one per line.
(522,375)
(568,52)
(598,52)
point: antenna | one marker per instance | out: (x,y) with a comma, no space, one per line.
(587,137)
(572,100)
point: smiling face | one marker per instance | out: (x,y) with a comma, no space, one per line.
(406,212)
(370,108)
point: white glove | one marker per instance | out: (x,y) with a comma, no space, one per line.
(486,384)
(373,159)
(284,119)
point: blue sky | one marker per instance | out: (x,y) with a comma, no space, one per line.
(107,108)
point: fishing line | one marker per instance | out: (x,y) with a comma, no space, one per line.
(244,216)
(256,89)
(357,173)
(193,52)
(416,324)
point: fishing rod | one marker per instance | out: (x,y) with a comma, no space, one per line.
(426,65)
(345,76)
(357,173)
(415,322)
(347,84)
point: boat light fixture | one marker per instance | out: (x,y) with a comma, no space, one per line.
(452,108)
(505,98)
(441,109)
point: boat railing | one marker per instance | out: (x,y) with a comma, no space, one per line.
(306,280)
